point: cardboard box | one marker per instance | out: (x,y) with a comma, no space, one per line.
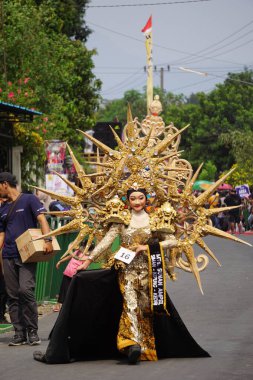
(31,250)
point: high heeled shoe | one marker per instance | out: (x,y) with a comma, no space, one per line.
(39,356)
(134,354)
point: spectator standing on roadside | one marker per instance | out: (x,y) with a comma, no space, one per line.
(250,218)
(3,294)
(45,199)
(19,213)
(233,199)
(214,202)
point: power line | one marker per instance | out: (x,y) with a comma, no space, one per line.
(126,86)
(235,48)
(117,67)
(192,84)
(123,85)
(219,42)
(232,79)
(111,72)
(118,85)
(229,36)
(129,80)
(156,73)
(137,79)
(160,46)
(221,53)
(131,68)
(147,4)
(223,46)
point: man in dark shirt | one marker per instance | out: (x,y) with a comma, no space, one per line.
(18,213)
(3,294)
(233,199)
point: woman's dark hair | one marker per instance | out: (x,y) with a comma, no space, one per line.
(130,191)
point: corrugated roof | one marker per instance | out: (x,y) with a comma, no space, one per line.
(11,113)
(18,109)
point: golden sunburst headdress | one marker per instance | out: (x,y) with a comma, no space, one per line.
(149,159)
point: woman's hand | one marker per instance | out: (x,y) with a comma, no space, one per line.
(58,265)
(85,264)
(141,248)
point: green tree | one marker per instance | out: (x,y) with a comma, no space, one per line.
(208,172)
(137,100)
(117,109)
(59,71)
(213,119)
(71,16)
(226,109)
(241,144)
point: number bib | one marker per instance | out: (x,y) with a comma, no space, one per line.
(125,255)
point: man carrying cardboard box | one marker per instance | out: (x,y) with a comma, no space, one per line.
(17,214)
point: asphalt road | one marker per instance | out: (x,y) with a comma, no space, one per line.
(221,321)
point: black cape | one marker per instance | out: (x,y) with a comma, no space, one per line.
(87,326)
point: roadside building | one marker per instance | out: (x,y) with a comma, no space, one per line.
(10,155)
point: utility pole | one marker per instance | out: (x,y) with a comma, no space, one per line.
(161,78)
(161,70)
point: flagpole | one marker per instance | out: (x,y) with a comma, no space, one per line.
(147,30)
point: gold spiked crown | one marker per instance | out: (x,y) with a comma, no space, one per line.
(148,158)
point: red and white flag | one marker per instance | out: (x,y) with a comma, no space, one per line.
(148,27)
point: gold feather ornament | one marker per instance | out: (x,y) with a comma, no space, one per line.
(147,158)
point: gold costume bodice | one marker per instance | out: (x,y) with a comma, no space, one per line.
(136,322)
(138,232)
(131,236)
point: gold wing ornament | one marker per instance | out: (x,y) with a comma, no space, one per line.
(192,224)
(148,157)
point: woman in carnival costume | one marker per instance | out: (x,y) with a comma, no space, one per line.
(126,308)
(135,336)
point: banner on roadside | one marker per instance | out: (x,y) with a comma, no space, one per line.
(243,190)
(57,161)
(55,153)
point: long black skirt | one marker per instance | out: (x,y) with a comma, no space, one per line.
(87,326)
(64,288)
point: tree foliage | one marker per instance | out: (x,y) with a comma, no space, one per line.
(242,147)
(220,123)
(117,109)
(59,70)
(71,16)
(208,172)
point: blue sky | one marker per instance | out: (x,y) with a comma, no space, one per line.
(214,37)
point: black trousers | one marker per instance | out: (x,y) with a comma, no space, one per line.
(3,296)
(20,286)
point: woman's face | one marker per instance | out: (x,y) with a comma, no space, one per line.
(137,201)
